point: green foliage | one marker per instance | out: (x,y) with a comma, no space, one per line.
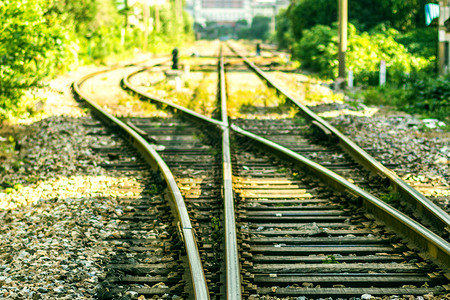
(420,94)
(100,36)
(318,51)
(7,147)
(384,95)
(403,15)
(82,15)
(215,223)
(305,14)
(421,41)
(407,17)
(331,259)
(282,170)
(242,31)
(396,34)
(32,45)
(40,38)
(284,35)
(174,31)
(367,50)
(153,189)
(260,27)
(429,96)
(390,197)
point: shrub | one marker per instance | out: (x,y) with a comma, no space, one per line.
(32,46)
(421,41)
(420,94)
(318,51)
(40,38)
(430,96)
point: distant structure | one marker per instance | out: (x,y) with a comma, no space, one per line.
(231,11)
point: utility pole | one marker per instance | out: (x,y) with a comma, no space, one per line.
(146,16)
(272,20)
(126,14)
(441,55)
(179,10)
(157,20)
(342,37)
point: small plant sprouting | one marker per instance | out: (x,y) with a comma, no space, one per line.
(331,259)
(215,223)
(31,179)
(199,136)
(391,196)
(213,151)
(153,189)
(282,170)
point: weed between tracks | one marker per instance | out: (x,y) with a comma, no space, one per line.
(391,196)
(144,107)
(249,97)
(305,88)
(331,259)
(198,92)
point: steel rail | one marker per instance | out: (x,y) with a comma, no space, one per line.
(233,276)
(434,245)
(422,205)
(154,159)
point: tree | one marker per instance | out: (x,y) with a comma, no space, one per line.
(284,30)
(242,30)
(39,38)
(305,14)
(260,27)
(32,44)
(403,15)
(318,52)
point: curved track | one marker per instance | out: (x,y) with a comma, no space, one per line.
(151,258)
(288,227)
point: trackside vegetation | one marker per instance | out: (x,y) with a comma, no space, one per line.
(41,38)
(392,30)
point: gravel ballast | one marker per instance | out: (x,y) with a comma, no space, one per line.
(56,213)
(417,150)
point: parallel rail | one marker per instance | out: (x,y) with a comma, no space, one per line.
(420,204)
(233,280)
(428,241)
(154,159)
(436,248)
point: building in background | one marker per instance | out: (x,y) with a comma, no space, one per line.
(231,11)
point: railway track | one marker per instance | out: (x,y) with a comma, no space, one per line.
(205,179)
(191,156)
(311,136)
(157,254)
(148,250)
(301,238)
(271,223)
(285,215)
